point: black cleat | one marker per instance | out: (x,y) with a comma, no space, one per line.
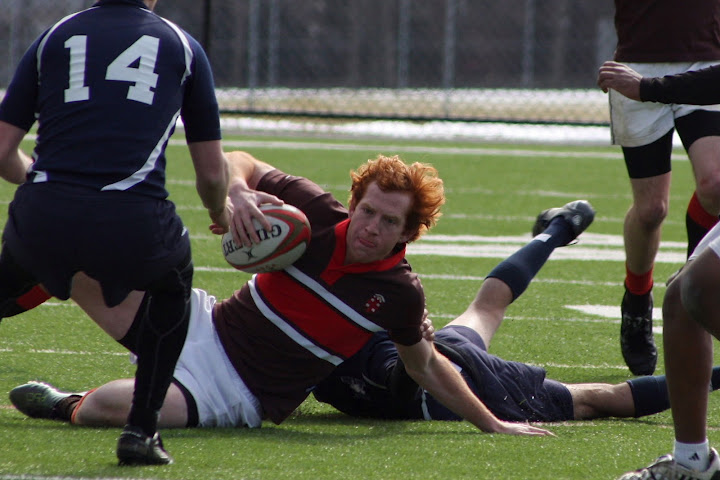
(636,336)
(39,400)
(579,214)
(136,448)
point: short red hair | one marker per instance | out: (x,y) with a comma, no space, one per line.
(393,175)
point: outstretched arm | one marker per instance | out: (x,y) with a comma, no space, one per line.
(699,87)
(436,374)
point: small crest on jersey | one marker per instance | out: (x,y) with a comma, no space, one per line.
(374,304)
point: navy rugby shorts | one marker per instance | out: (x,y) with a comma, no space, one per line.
(513,391)
(124,241)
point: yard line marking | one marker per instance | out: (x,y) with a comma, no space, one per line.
(501,247)
(72,352)
(610,315)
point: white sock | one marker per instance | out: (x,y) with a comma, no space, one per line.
(692,455)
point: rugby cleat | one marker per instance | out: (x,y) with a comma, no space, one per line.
(39,400)
(579,215)
(637,343)
(136,448)
(666,468)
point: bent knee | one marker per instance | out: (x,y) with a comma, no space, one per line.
(650,215)
(708,192)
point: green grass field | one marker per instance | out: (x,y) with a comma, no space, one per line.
(494,193)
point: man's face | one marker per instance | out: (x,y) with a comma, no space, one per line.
(377,224)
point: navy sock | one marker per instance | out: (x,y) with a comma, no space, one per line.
(521,267)
(651,396)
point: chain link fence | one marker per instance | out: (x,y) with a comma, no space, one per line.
(475,60)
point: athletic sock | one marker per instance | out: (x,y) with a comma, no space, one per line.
(66,407)
(695,456)
(697,223)
(521,267)
(650,393)
(638,284)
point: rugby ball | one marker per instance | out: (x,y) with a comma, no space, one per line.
(279,247)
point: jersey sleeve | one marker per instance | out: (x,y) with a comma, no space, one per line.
(200,112)
(20,102)
(699,87)
(320,207)
(405,329)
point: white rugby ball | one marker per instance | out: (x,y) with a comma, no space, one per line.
(279,247)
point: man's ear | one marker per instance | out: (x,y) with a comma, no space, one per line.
(405,237)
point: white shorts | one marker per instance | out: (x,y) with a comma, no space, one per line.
(222,398)
(634,124)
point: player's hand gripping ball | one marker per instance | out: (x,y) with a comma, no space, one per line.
(279,247)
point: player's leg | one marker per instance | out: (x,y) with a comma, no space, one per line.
(637,397)
(649,169)
(105,406)
(690,311)
(700,134)
(160,339)
(554,228)
(115,321)
(109,405)
(645,131)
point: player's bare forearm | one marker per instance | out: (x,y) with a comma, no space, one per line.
(212,178)
(245,174)
(436,374)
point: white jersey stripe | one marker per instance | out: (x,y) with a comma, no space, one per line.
(186,47)
(149,165)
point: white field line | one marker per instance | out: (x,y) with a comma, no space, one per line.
(599,247)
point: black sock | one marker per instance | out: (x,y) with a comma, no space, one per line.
(521,267)
(65,407)
(715,379)
(695,233)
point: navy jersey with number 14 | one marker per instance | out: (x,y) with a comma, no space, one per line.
(106,105)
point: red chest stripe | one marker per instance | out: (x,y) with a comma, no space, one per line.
(311,315)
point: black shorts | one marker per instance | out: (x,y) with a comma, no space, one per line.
(513,391)
(654,158)
(126,242)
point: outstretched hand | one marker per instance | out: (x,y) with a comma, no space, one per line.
(523,429)
(620,78)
